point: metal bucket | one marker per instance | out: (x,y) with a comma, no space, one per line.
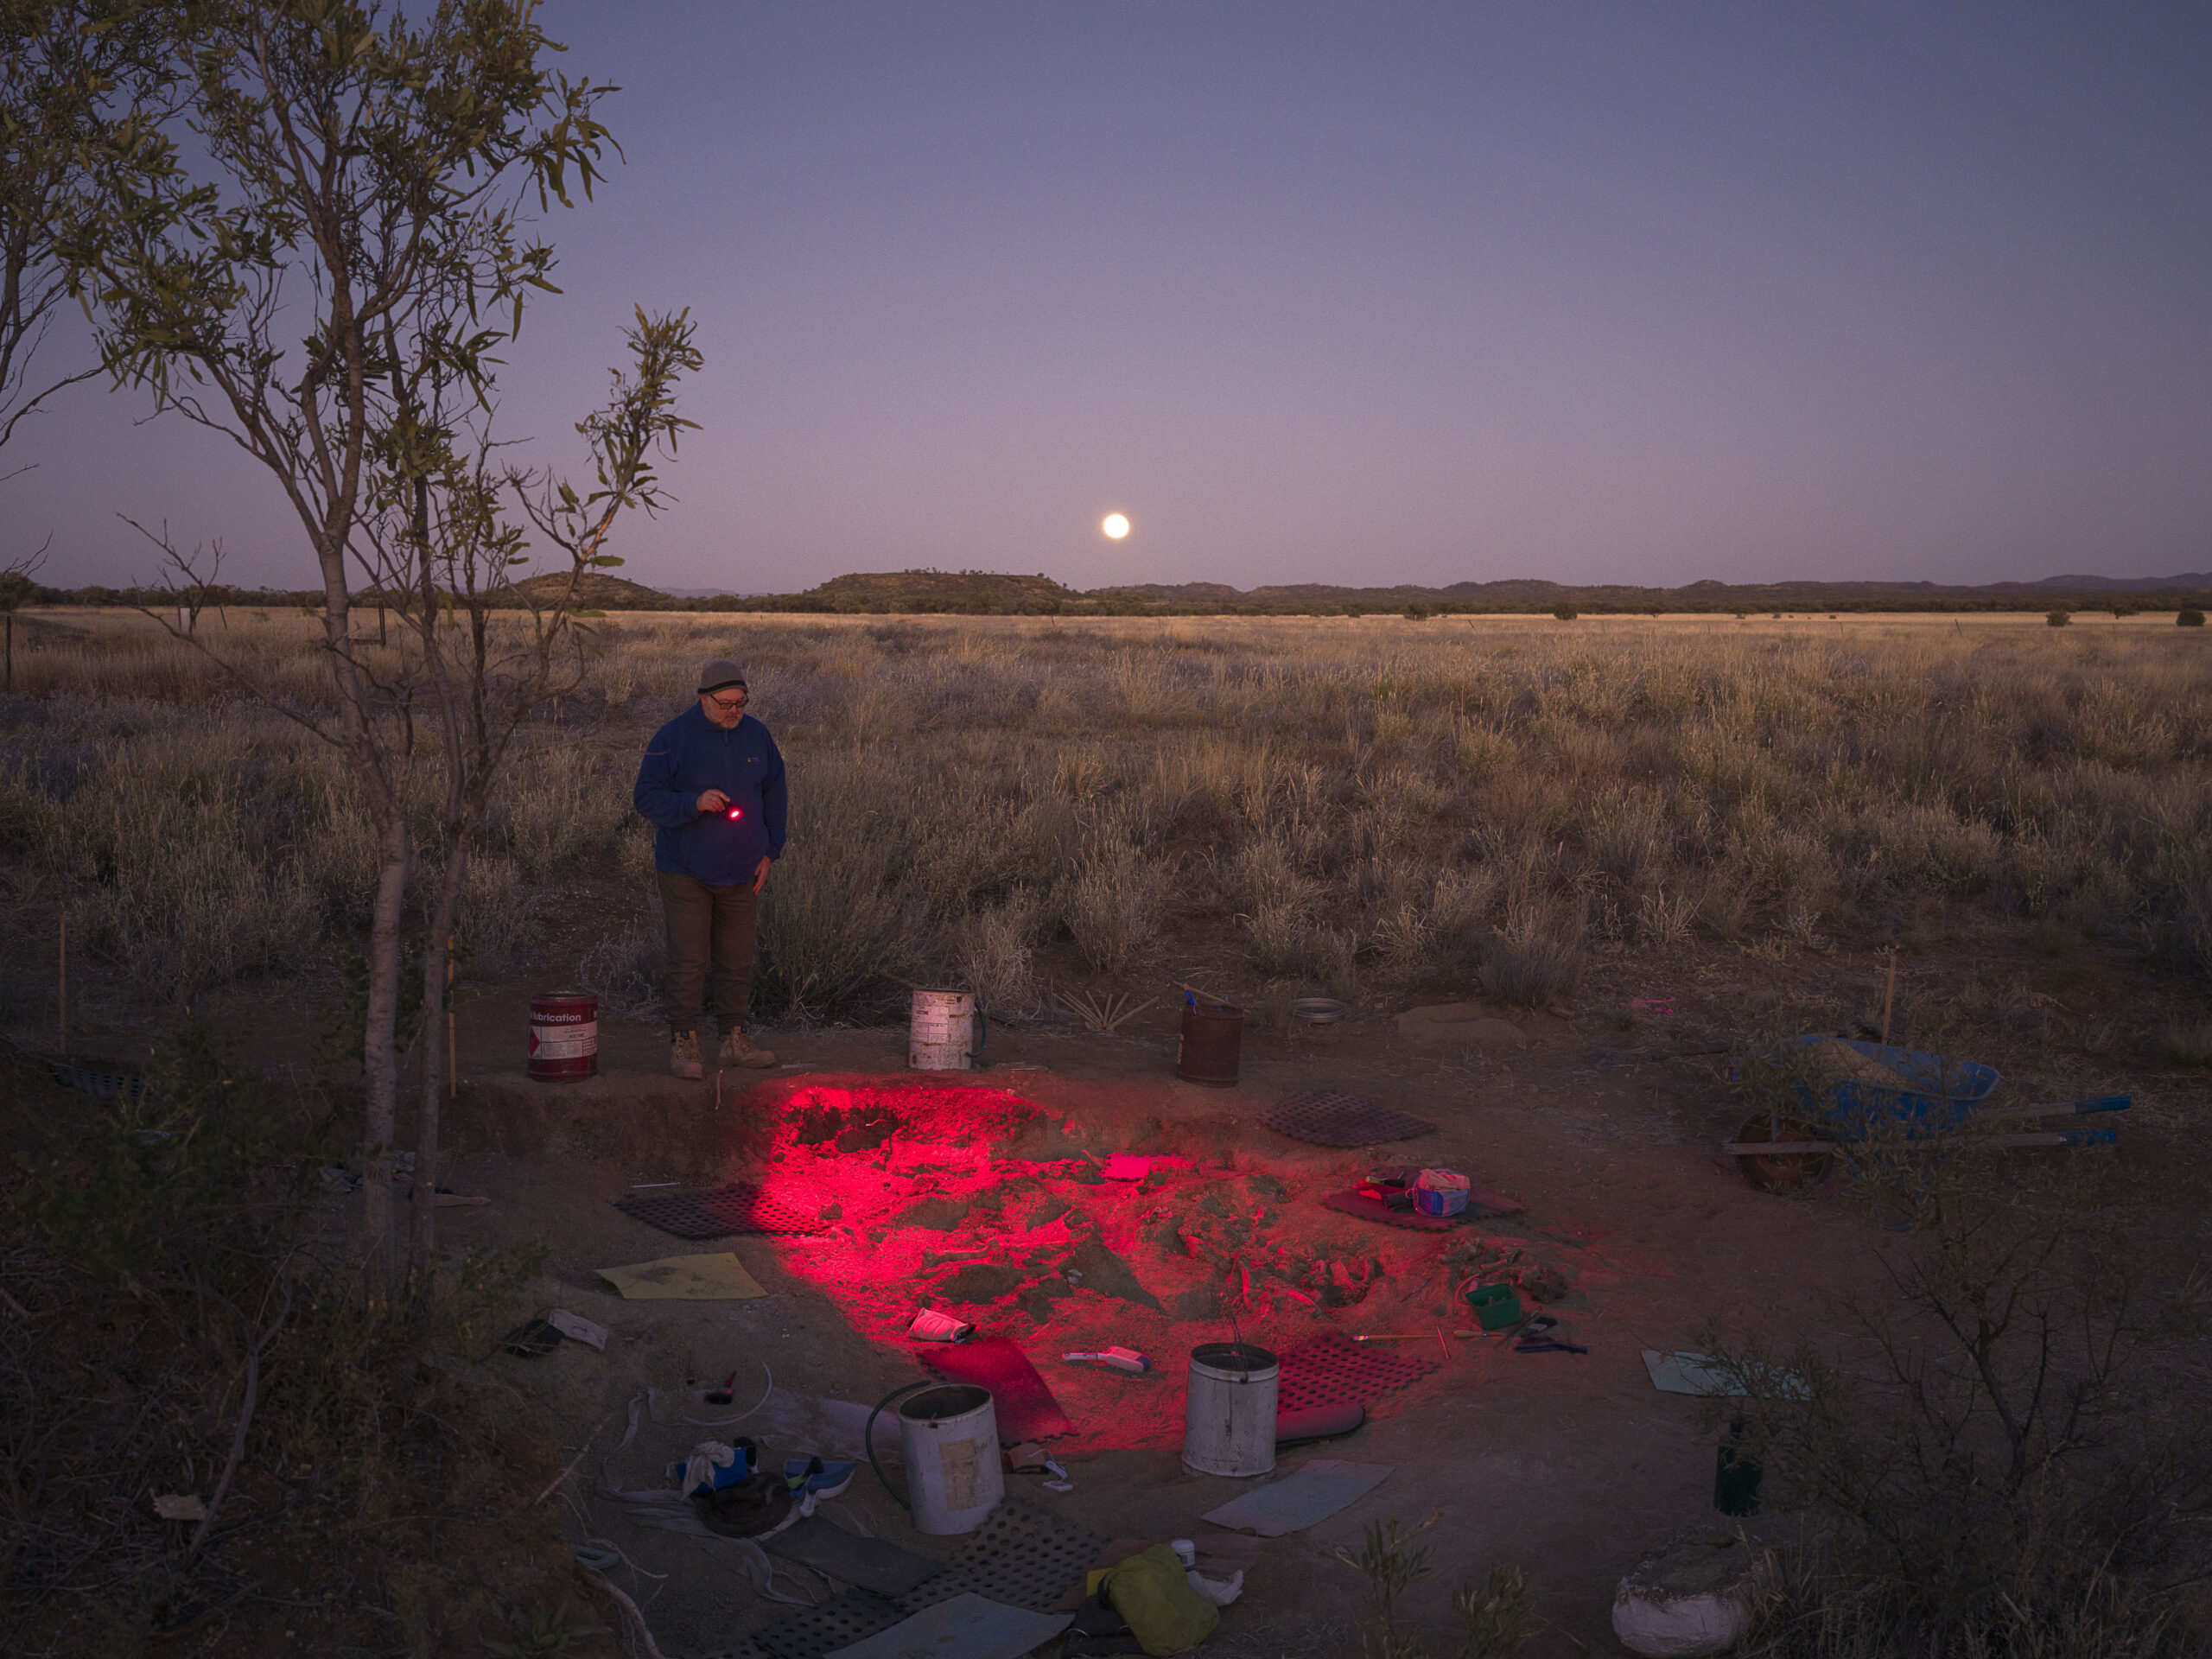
(949,1438)
(945,1032)
(563,1036)
(1229,1410)
(1213,1037)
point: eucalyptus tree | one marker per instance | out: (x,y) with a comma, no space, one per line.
(438,545)
(320,257)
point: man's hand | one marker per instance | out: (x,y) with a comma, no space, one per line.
(713,801)
(760,876)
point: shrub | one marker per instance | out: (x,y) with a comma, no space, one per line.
(2190,619)
(992,943)
(1537,957)
(2011,1474)
(1565,611)
(2187,1043)
(2058,619)
(175,1251)
(1113,906)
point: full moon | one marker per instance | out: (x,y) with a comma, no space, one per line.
(1115,525)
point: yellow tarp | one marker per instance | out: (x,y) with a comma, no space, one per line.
(718,1278)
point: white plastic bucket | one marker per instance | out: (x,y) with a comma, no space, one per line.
(1229,1410)
(942,1035)
(949,1439)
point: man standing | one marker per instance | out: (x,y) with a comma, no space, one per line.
(713,782)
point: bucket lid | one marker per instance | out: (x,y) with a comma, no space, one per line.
(1232,1356)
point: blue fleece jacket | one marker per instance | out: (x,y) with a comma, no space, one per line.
(690,755)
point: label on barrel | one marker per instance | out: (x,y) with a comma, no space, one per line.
(562,1042)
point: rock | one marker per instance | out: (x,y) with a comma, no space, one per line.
(1459,1026)
(1203,1302)
(1108,1274)
(1166,1236)
(938,1215)
(1036,1301)
(982,1281)
(1268,1186)
(1700,1595)
(1037,1139)
(862,1129)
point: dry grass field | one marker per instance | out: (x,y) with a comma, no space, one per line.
(1550,818)
(1358,807)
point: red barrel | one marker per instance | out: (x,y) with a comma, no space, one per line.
(563,1036)
(1213,1036)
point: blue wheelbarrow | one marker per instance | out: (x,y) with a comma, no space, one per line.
(1926,1109)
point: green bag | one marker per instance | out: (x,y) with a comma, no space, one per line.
(1165,1613)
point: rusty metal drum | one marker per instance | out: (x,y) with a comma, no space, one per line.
(563,1036)
(1213,1040)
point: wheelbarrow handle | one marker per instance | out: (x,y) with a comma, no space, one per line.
(2064,1108)
(1925,1143)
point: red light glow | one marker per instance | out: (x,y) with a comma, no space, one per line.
(999,1209)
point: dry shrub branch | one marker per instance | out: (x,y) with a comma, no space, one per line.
(177,1323)
(2006,1458)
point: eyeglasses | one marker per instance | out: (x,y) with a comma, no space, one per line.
(728,705)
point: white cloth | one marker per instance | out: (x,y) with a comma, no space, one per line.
(699,1468)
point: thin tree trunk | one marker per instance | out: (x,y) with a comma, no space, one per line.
(435,1060)
(380,1057)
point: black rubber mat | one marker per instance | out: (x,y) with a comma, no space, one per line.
(1021,1555)
(811,1632)
(1328,1119)
(737,1208)
(1335,1371)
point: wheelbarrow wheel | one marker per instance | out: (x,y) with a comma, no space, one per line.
(1780,1172)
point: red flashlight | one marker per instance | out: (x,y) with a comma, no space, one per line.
(735,814)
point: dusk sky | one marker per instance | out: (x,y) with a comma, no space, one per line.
(1359,294)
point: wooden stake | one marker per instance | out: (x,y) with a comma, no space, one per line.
(62,1002)
(1889,995)
(452,1059)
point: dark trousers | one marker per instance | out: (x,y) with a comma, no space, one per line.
(706,925)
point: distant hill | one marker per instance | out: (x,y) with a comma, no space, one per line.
(596,591)
(963,592)
(2196,584)
(985,593)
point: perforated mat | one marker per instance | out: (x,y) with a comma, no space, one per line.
(1021,1555)
(1333,1370)
(736,1208)
(100,1083)
(837,1622)
(1329,1119)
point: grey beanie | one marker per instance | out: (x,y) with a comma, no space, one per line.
(719,673)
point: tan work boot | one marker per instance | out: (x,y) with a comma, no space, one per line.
(738,1050)
(684,1057)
